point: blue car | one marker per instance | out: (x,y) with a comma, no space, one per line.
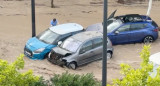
(131,28)
(38,47)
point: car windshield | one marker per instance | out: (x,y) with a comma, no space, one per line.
(112,25)
(48,36)
(71,44)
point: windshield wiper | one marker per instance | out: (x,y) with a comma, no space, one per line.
(44,41)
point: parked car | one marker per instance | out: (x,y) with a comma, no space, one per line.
(38,47)
(130,28)
(80,49)
(155,59)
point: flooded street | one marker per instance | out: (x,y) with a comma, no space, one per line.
(15,30)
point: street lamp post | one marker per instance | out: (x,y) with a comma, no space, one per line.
(33,18)
(104,61)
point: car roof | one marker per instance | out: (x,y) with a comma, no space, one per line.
(142,18)
(83,36)
(135,15)
(155,58)
(66,28)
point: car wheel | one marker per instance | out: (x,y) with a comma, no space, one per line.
(72,65)
(109,55)
(148,39)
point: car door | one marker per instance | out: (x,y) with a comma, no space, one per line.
(121,35)
(137,32)
(85,52)
(97,49)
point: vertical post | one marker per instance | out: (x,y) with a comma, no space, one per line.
(52,5)
(104,61)
(33,18)
(149,7)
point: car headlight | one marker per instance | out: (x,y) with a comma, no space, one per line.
(39,50)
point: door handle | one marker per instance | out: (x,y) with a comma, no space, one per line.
(91,51)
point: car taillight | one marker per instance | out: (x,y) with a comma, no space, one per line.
(156,30)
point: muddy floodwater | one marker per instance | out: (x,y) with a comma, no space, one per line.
(15,30)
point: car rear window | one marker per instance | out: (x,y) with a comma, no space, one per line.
(154,24)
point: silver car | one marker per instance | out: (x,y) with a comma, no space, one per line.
(79,49)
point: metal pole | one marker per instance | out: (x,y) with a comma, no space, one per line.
(149,7)
(104,61)
(33,18)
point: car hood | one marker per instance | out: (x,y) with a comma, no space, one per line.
(35,44)
(61,51)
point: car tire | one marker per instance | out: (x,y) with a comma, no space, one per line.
(72,65)
(148,39)
(109,54)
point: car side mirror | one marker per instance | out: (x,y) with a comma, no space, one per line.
(116,32)
(60,42)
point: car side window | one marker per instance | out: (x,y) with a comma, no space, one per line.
(137,26)
(97,42)
(124,28)
(86,47)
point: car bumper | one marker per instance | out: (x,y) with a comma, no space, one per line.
(32,55)
(156,36)
(54,60)
(49,58)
